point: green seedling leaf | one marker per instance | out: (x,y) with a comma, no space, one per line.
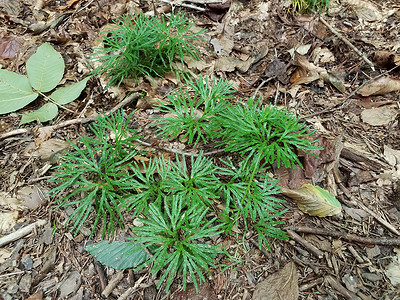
(118,255)
(69,93)
(45,68)
(15,91)
(46,113)
(314,200)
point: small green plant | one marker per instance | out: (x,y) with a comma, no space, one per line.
(305,5)
(265,133)
(184,202)
(249,197)
(174,233)
(97,174)
(194,111)
(45,70)
(137,45)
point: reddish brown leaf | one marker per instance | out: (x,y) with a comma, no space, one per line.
(9,47)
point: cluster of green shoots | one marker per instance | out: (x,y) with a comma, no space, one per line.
(306,5)
(181,202)
(184,201)
(138,46)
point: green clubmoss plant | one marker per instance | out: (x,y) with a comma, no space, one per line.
(306,5)
(249,199)
(95,175)
(137,45)
(266,133)
(185,202)
(193,111)
(176,234)
(160,179)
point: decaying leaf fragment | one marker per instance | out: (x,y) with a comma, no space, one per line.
(308,72)
(393,269)
(280,285)
(314,200)
(380,86)
(379,116)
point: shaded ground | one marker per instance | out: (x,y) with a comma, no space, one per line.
(323,81)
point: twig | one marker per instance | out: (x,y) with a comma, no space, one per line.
(112,284)
(260,86)
(172,4)
(356,203)
(132,289)
(340,288)
(100,272)
(314,250)
(348,236)
(347,42)
(311,284)
(203,1)
(179,152)
(20,232)
(71,122)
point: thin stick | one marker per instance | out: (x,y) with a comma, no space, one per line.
(356,203)
(348,236)
(180,152)
(260,86)
(347,42)
(314,250)
(112,284)
(20,232)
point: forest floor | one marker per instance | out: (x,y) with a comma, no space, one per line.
(306,63)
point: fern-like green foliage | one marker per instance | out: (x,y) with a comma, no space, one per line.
(249,197)
(265,133)
(96,174)
(198,184)
(176,234)
(184,202)
(136,46)
(194,110)
(305,5)
(160,179)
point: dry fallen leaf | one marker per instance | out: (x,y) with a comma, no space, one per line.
(393,269)
(386,59)
(31,196)
(229,64)
(365,10)
(314,200)
(380,86)
(392,156)
(280,285)
(8,202)
(379,116)
(4,255)
(308,72)
(9,47)
(36,296)
(147,102)
(222,46)
(48,149)
(322,55)
(8,221)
